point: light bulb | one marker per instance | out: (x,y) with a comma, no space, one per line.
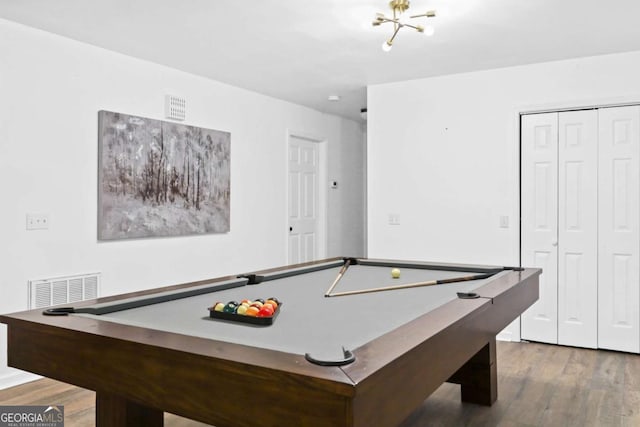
(386,46)
(429,30)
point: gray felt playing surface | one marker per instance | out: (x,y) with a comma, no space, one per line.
(308,322)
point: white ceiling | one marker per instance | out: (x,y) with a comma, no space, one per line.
(305,50)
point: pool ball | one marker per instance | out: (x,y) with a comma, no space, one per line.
(274,299)
(252,311)
(218,306)
(265,311)
(272,303)
(395,273)
(230,308)
(242,309)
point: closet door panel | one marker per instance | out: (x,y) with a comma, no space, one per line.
(540,221)
(577,228)
(619,222)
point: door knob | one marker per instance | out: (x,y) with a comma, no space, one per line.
(290,228)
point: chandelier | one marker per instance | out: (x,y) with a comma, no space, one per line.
(399,7)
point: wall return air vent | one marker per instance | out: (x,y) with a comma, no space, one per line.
(63,290)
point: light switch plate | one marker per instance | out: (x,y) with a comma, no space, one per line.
(37,221)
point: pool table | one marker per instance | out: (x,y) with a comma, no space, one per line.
(350,346)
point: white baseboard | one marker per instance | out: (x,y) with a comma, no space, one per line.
(16,377)
(506,336)
(511,332)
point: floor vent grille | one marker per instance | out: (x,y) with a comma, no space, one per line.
(63,290)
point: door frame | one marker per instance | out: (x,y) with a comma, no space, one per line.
(321,249)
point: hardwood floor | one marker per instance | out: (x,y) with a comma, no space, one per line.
(538,385)
(545,385)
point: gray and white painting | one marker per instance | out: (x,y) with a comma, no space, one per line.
(159,178)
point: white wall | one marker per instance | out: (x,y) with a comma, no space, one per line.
(443,153)
(51,89)
(347,168)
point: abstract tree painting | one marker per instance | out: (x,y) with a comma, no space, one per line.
(160,178)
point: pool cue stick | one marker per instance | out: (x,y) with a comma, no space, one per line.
(340,274)
(414,285)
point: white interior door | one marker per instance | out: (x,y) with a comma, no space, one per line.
(303,200)
(540,221)
(578,228)
(619,221)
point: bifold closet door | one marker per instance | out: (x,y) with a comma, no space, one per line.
(578,228)
(619,221)
(559,225)
(539,152)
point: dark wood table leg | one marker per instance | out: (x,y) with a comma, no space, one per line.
(478,378)
(112,411)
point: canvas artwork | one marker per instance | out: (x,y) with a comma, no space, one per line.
(159,178)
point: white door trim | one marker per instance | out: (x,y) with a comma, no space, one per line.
(321,250)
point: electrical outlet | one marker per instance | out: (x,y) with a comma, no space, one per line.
(37,221)
(394,219)
(504,221)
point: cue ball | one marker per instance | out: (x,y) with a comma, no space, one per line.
(395,273)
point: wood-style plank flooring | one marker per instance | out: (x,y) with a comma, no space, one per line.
(539,385)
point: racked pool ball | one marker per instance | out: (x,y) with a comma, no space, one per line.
(274,299)
(271,303)
(230,308)
(266,311)
(252,311)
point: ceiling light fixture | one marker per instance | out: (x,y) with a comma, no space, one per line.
(398,7)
